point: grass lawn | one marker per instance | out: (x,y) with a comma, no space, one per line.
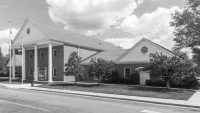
(15,81)
(178,94)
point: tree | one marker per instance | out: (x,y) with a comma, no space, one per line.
(167,68)
(196,55)
(178,52)
(187,25)
(2,63)
(73,66)
(100,68)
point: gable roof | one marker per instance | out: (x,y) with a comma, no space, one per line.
(143,39)
(106,55)
(68,37)
(18,61)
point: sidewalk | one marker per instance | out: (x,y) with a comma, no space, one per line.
(194,101)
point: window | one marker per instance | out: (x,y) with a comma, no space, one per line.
(30,55)
(30,72)
(54,52)
(54,71)
(127,72)
(41,54)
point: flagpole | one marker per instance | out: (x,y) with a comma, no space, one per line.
(22,55)
(10,80)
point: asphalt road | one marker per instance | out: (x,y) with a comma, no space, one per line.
(26,101)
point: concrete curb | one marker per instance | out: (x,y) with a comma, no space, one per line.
(118,97)
(180,103)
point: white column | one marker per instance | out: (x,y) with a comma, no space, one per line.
(13,64)
(23,63)
(36,63)
(50,63)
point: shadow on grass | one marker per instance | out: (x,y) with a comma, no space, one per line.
(152,89)
(73,84)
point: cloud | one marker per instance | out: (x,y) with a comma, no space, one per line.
(188,51)
(3,6)
(90,33)
(4,39)
(139,2)
(4,48)
(126,43)
(156,41)
(84,16)
(4,34)
(154,26)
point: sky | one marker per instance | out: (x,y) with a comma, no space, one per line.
(121,22)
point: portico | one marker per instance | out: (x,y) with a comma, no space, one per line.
(35,62)
(37,49)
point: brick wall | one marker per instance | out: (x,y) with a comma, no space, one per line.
(57,61)
(120,68)
(29,63)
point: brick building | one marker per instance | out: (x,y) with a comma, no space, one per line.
(46,49)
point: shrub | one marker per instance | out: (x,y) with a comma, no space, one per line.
(135,78)
(178,83)
(3,75)
(190,82)
(120,80)
(187,82)
(114,79)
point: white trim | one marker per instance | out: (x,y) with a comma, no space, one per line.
(125,72)
(143,39)
(53,52)
(46,41)
(35,63)
(30,71)
(30,55)
(50,63)
(53,72)
(40,53)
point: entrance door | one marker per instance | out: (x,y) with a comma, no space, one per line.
(144,75)
(42,74)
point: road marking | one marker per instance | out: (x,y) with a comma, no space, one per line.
(147,111)
(25,105)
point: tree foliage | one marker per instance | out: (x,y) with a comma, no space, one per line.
(100,68)
(167,68)
(178,52)
(3,61)
(73,66)
(196,55)
(187,25)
